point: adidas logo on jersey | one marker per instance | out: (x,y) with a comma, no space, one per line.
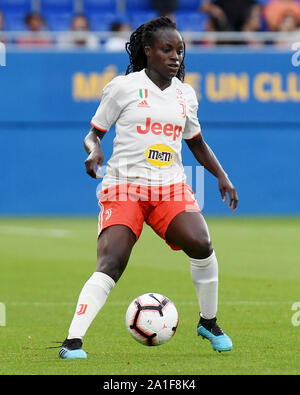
(143,104)
(143,94)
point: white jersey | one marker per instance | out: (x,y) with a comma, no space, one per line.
(150,124)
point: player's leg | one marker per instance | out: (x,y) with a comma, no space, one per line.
(188,230)
(114,247)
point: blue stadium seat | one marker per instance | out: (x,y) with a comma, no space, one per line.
(191,21)
(57,13)
(138,18)
(60,21)
(100,6)
(48,6)
(17,6)
(138,5)
(102,21)
(14,13)
(14,21)
(188,5)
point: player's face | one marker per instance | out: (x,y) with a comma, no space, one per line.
(166,55)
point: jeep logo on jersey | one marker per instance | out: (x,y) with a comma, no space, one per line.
(157,128)
(159,155)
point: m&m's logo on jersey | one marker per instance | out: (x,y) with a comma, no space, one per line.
(159,155)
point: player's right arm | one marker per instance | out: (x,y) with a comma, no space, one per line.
(92,145)
(107,114)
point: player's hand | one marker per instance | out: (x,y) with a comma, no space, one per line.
(94,161)
(225,186)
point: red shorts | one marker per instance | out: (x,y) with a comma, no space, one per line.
(132,205)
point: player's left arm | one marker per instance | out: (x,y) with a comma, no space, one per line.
(206,157)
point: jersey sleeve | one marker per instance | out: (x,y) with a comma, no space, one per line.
(192,125)
(110,106)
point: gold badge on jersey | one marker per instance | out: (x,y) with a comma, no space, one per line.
(159,155)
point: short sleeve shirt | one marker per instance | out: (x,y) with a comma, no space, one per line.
(150,125)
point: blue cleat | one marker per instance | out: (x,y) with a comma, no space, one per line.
(209,330)
(71,349)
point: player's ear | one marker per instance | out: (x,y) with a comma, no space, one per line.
(147,50)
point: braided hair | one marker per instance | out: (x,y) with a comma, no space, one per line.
(143,36)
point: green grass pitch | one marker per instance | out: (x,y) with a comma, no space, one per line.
(45,261)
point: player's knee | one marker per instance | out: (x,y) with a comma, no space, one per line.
(200,247)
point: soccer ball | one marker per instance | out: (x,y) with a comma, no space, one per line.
(152,319)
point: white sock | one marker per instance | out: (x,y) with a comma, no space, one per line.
(92,297)
(205,277)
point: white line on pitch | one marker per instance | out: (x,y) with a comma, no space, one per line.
(124,303)
(28,231)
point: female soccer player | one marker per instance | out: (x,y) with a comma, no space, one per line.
(144,182)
